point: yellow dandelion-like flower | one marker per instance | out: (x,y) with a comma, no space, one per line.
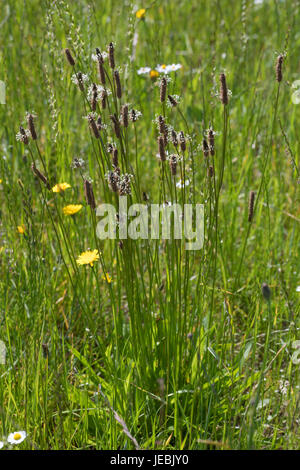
(88,257)
(153,73)
(21,229)
(140,14)
(0,180)
(72,209)
(107,278)
(60,187)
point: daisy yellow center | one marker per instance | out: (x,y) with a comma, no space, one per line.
(163,66)
(17,436)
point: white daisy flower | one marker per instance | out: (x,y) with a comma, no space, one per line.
(1,444)
(143,70)
(298,289)
(173,67)
(162,68)
(16,437)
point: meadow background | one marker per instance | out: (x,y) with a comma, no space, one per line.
(152,347)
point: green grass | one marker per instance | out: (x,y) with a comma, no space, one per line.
(181,350)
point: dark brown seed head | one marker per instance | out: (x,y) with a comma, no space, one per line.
(115,159)
(174,138)
(31,126)
(223,89)
(163,89)
(124,185)
(182,141)
(205,148)
(118,84)
(99,55)
(166,134)
(161,124)
(251,206)
(69,57)
(40,175)
(94,101)
(116,125)
(279,68)
(111,55)
(161,148)
(172,101)
(103,99)
(80,81)
(99,123)
(173,164)
(124,114)
(211,141)
(93,126)
(24,137)
(100,66)
(89,194)
(113,181)
(266,291)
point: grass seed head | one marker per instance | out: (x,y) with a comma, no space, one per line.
(69,57)
(116,125)
(118,84)
(124,114)
(182,141)
(279,68)
(31,126)
(205,148)
(223,89)
(89,194)
(173,164)
(111,55)
(161,148)
(163,89)
(40,175)
(266,291)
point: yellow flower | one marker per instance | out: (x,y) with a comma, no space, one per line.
(60,187)
(153,73)
(0,181)
(88,257)
(107,278)
(21,229)
(140,14)
(72,209)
